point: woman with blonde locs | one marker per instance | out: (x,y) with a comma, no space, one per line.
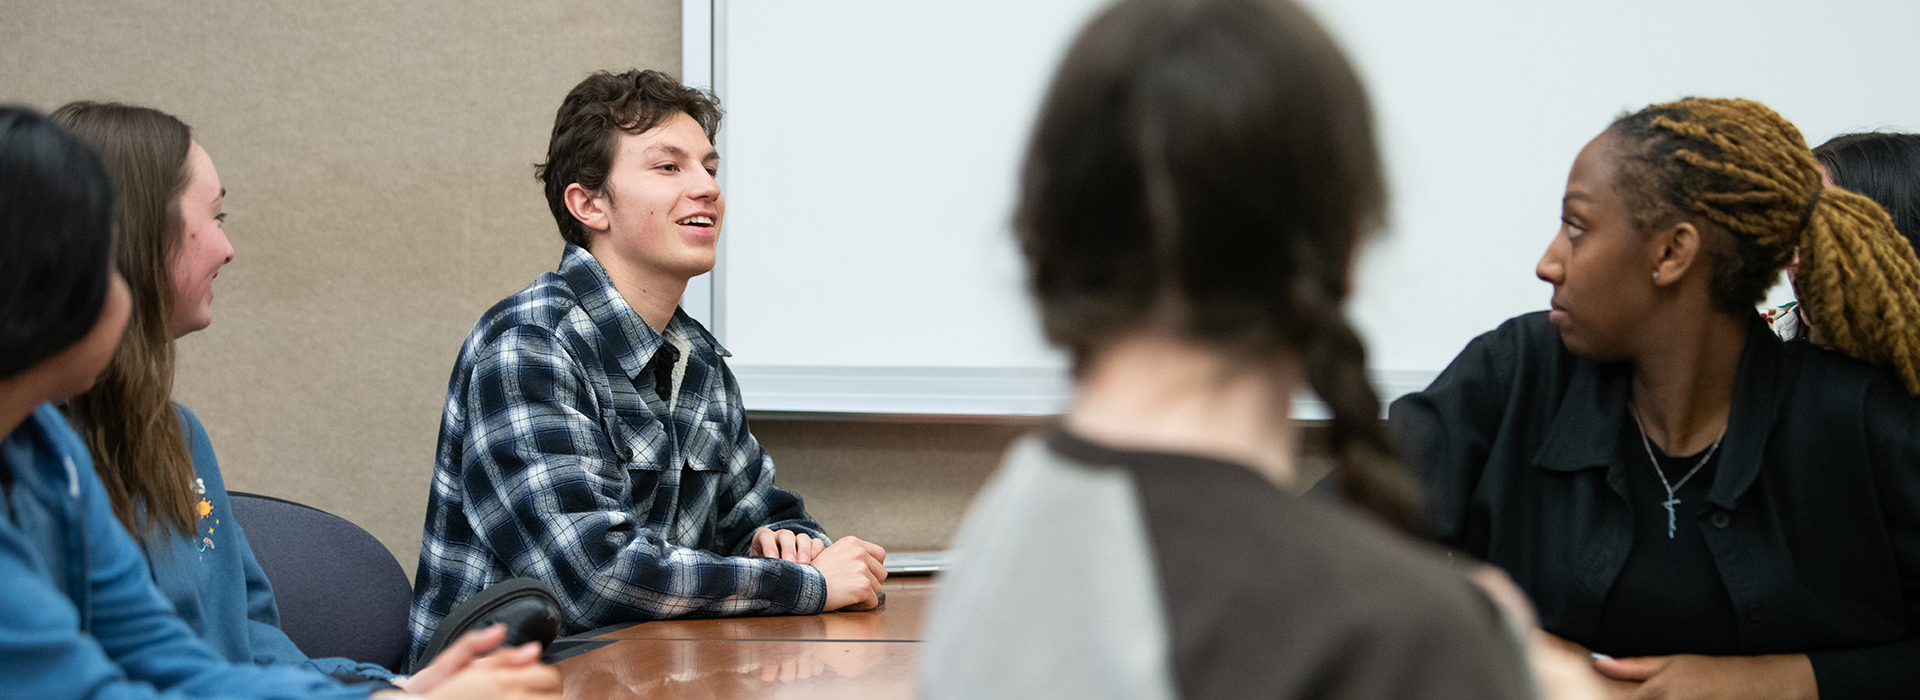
(1710,510)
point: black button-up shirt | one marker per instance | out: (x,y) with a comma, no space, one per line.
(1812,519)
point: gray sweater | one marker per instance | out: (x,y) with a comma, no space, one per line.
(1087,572)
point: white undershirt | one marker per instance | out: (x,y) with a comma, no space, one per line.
(679,342)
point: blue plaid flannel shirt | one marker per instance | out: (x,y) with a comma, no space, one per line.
(558,461)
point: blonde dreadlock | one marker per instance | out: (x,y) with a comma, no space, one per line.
(1739,165)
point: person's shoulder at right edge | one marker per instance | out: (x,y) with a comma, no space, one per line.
(1270,595)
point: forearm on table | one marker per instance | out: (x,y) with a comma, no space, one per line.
(600,580)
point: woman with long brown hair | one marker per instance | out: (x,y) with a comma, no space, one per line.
(80,616)
(1716,512)
(152,454)
(140,446)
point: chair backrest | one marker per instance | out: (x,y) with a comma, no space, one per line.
(340,592)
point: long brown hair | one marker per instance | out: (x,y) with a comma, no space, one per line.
(1741,166)
(127,418)
(1215,159)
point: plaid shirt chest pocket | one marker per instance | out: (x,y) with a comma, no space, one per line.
(704,486)
(710,447)
(641,446)
(644,450)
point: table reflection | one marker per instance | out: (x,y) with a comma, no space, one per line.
(742,669)
(834,655)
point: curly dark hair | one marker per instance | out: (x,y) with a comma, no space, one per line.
(585,131)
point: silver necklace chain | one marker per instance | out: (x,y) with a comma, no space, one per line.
(1672,499)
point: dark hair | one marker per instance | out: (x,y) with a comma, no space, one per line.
(56,224)
(587,127)
(1740,167)
(1884,166)
(127,418)
(1209,166)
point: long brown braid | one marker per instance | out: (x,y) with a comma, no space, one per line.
(1741,166)
(1368,470)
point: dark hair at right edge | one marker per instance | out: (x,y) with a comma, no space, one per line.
(1210,166)
(1884,166)
(587,126)
(55,235)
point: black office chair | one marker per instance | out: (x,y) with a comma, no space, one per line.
(341,593)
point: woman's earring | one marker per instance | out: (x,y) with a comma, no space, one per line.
(1656,276)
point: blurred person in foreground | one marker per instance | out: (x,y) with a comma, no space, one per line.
(1200,177)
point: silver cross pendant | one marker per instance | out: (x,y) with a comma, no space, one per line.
(1672,519)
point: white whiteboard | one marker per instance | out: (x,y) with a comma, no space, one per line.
(870,155)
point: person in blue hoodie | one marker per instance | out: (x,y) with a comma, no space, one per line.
(80,616)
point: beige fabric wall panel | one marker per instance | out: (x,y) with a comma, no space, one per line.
(904,486)
(377,158)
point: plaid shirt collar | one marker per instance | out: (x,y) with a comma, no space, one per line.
(624,335)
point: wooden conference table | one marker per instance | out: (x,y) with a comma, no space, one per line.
(832,655)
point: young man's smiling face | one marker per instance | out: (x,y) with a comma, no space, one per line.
(661,206)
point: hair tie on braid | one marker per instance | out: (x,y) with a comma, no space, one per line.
(1806,215)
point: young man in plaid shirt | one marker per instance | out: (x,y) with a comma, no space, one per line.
(593,437)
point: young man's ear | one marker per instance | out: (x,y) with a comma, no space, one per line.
(586,206)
